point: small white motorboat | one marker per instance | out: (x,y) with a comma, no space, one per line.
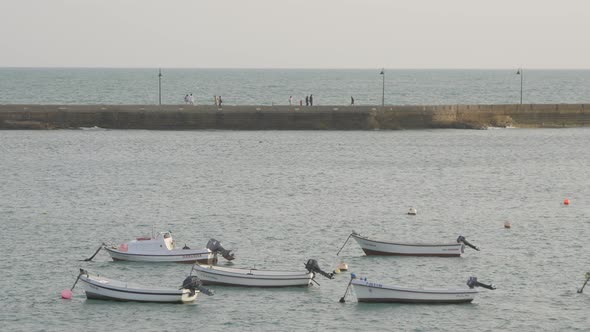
(216,275)
(101,288)
(412,212)
(374,292)
(163,248)
(373,247)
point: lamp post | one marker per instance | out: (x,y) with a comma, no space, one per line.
(160,86)
(382,73)
(520,72)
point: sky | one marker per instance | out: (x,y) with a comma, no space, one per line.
(494,34)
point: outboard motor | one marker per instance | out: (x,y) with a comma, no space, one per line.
(472,283)
(216,247)
(312,266)
(193,283)
(462,239)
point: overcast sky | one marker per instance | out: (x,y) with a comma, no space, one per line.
(295,34)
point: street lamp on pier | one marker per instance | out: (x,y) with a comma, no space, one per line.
(382,73)
(160,86)
(520,72)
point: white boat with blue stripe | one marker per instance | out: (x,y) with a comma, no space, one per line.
(367,291)
(226,276)
(383,248)
(101,288)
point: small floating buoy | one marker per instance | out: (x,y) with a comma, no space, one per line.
(566,202)
(66,294)
(336,271)
(343,267)
(412,212)
(507,224)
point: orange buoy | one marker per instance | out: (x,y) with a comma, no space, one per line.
(507,224)
(566,202)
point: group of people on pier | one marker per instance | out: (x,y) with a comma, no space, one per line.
(308,100)
(189,99)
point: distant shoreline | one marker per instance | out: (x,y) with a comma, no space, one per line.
(257,117)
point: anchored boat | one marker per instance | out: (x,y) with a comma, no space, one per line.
(101,288)
(373,247)
(163,248)
(374,292)
(216,275)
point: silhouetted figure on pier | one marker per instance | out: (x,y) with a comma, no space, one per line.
(310,100)
(306,100)
(351,101)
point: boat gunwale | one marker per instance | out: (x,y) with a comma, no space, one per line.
(370,252)
(219,271)
(356,237)
(95,296)
(92,281)
(219,283)
(208,252)
(442,291)
(412,301)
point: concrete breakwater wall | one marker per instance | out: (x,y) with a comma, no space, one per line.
(188,117)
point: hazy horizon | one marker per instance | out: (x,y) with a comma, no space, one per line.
(284,68)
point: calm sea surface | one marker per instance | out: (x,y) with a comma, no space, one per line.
(281,197)
(274,86)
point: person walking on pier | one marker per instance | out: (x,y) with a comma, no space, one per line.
(351,101)
(306,100)
(186,99)
(220,101)
(191,99)
(290,100)
(310,100)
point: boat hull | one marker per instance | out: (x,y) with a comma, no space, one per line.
(214,275)
(372,247)
(378,293)
(172,256)
(107,289)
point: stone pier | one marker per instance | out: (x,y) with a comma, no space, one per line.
(252,117)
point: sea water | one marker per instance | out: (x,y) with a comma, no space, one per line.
(279,198)
(275,86)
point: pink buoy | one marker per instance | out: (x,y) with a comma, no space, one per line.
(566,201)
(66,294)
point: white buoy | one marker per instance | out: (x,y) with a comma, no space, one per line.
(507,224)
(413,212)
(343,267)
